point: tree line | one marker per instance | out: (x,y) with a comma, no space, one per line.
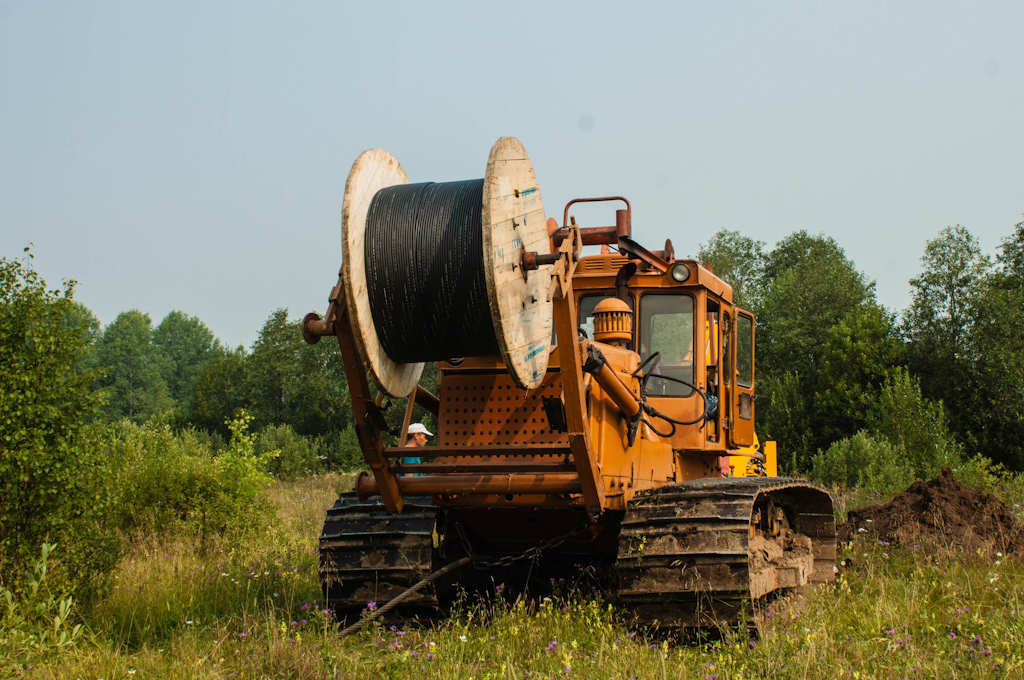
(825,349)
(830,357)
(105,431)
(180,369)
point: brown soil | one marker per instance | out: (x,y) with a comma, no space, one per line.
(942,517)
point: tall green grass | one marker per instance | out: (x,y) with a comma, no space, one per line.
(252,610)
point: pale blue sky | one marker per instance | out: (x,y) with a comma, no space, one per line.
(192,155)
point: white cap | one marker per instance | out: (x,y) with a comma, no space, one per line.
(418,428)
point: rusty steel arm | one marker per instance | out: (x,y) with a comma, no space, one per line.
(337,322)
(620,395)
(427,400)
(620,235)
(475,484)
(570,363)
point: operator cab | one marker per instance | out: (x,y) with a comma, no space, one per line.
(683,313)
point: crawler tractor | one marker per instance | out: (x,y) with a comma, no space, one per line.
(610,419)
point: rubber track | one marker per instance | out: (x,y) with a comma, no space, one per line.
(368,554)
(684,554)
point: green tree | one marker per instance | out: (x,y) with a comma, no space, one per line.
(185,343)
(938,322)
(291,382)
(869,463)
(270,366)
(992,413)
(739,261)
(1010,260)
(904,417)
(133,385)
(52,467)
(860,352)
(219,391)
(316,392)
(809,287)
(78,316)
(786,417)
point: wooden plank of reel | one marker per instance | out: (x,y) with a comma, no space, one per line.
(514,224)
(373,170)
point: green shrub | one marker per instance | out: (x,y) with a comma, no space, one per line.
(870,464)
(297,456)
(785,416)
(34,624)
(915,424)
(980,473)
(340,451)
(173,482)
(53,472)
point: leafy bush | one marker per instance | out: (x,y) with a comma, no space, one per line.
(981,473)
(340,451)
(908,439)
(53,473)
(297,456)
(786,418)
(870,464)
(35,622)
(173,482)
(918,425)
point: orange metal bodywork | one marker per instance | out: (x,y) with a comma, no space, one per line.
(495,444)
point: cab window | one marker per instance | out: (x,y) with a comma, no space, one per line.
(726,348)
(666,326)
(745,350)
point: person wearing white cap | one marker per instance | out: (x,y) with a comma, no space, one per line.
(416,438)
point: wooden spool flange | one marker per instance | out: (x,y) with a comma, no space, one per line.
(372,171)
(513,222)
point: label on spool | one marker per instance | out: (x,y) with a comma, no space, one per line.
(514,222)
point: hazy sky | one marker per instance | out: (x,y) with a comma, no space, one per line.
(192,155)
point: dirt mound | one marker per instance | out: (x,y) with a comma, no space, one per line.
(941,516)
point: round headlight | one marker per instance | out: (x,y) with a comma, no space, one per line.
(680,273)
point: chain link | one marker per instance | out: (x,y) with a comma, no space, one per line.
(533,552)
(478,561)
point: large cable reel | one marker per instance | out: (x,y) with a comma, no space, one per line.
(511,222)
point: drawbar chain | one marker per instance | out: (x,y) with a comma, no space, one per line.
(478,561)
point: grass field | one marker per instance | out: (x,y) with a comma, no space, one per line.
(251,609)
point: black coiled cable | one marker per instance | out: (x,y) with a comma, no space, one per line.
(425,271)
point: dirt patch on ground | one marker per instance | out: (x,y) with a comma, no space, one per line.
(943,517)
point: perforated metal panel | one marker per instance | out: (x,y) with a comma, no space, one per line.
(489,410)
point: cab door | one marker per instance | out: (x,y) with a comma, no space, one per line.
(741,407)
